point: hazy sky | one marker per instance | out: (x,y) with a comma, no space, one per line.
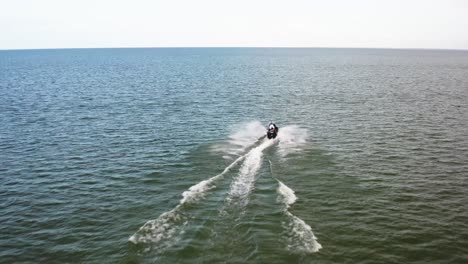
(265,23)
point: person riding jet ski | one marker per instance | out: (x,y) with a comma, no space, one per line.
(272,130)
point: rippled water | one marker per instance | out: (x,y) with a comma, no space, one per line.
(157,156)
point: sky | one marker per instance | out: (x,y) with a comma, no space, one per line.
(31,24)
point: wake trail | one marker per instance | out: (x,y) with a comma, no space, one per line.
(300,237)
(164,231)
(169,223)
(243,184)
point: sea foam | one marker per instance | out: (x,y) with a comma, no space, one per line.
(299,235)
(286,194)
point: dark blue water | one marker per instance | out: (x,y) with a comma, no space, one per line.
(157,156)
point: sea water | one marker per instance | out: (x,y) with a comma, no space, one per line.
(159,156)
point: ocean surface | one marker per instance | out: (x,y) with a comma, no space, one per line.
(159,156)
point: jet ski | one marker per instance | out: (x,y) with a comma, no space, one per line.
(272,131)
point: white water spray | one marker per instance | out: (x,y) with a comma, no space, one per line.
(240,140)
(292,139)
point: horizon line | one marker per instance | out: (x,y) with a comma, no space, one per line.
(232,47)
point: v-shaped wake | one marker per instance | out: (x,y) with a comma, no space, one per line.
(164,231)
